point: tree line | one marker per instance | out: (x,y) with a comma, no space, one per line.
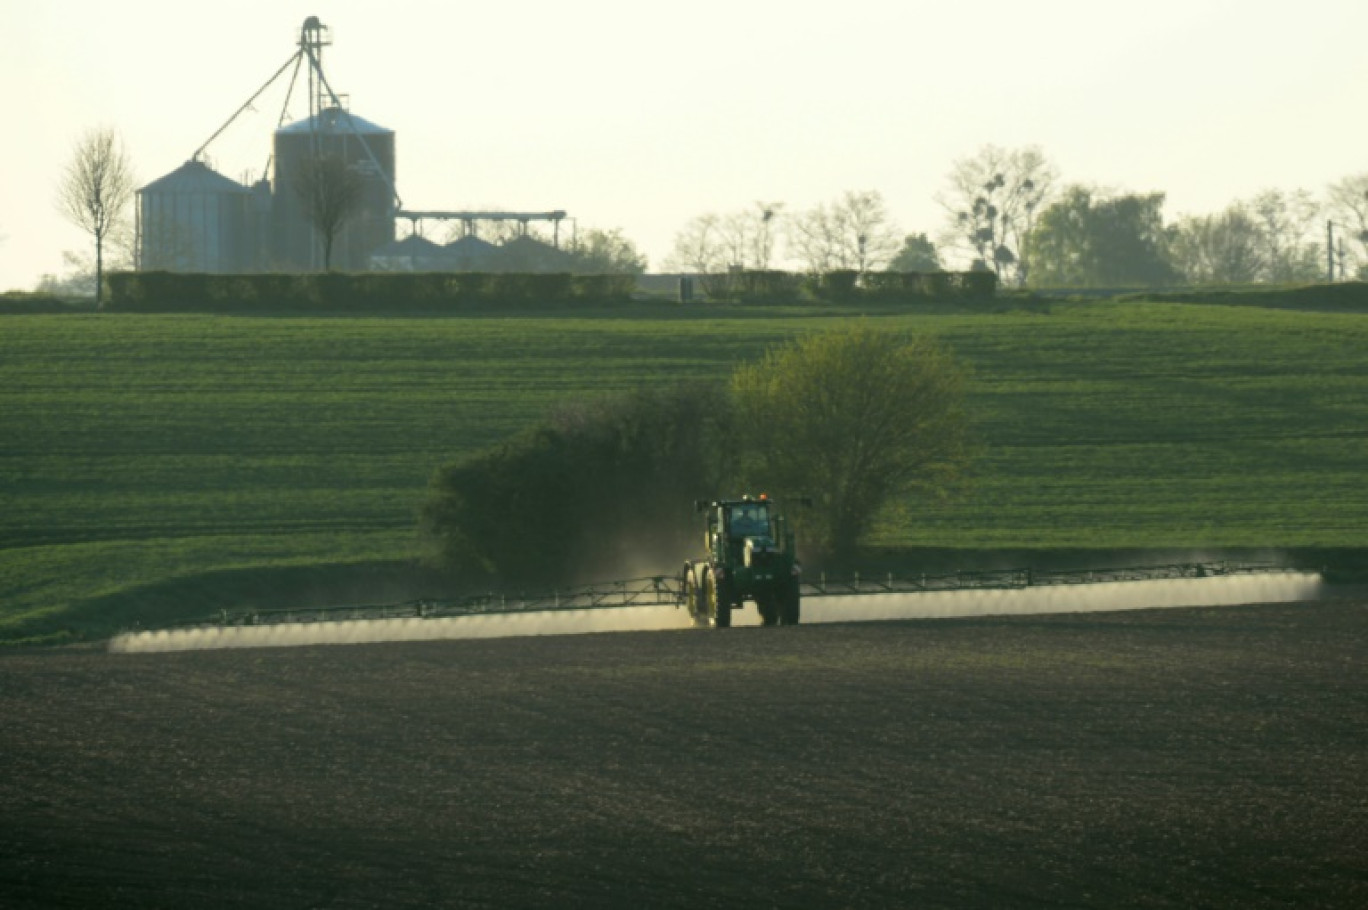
(1006,211)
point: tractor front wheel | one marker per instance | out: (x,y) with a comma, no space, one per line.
(693,598)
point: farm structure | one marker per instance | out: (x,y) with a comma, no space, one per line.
(195,219)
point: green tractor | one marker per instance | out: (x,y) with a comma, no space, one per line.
(750,557)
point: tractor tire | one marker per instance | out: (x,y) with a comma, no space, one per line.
(719,603)
(791,607)
(693,597)
(769,611)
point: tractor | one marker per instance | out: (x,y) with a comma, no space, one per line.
(750,557)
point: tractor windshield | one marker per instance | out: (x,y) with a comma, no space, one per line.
(750,519)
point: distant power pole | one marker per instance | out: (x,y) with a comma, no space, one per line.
(1330,249)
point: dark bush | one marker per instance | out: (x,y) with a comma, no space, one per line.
(896,287)
(435,292)
(939,285)
(599,289)
(763,286)
(838,286)
(979,284)
(604,487)
(18,302)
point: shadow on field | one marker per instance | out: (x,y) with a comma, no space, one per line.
(255,588)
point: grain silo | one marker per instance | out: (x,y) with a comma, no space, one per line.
(195,220)
(368,151)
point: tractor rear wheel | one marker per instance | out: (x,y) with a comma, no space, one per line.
(718,602)
(790,607)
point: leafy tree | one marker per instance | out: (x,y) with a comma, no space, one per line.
(853,417)
(992,199)
(1347,206)
(1088,239)
(854,232)
(918,254)
(600,252)
(330,191)
(1228,248)
(95,190)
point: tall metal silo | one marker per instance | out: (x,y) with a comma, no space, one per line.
(366,148)
(195,220)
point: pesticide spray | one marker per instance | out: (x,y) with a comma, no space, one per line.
(1280,587)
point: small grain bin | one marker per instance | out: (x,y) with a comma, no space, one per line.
(195,220)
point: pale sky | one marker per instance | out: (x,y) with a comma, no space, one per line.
(640,116)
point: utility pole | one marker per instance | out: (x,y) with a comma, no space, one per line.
(1330,250)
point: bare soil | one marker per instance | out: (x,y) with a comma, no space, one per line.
(1175,758)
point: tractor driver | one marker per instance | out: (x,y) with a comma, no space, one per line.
(749,521)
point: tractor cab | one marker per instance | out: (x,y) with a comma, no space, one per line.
(741,532)
(747,519)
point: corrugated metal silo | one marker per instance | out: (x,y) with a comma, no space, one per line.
(362,145)
(195,220)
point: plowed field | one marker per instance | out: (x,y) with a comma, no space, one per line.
(1174,758)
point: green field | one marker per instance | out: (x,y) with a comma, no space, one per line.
(150,466)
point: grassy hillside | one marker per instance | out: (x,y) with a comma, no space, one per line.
(157,465)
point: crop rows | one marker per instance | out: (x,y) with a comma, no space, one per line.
(134,449)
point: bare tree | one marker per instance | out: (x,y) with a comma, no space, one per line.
(1228,248)
(699,247)
(743,239)
(747,236)
(854,232)
(95,190)
(1347,205)
(1286,221)
(766,217)
(992,199)
(330,191)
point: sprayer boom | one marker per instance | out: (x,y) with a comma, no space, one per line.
(664,590)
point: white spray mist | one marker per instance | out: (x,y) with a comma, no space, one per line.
(1226,590)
